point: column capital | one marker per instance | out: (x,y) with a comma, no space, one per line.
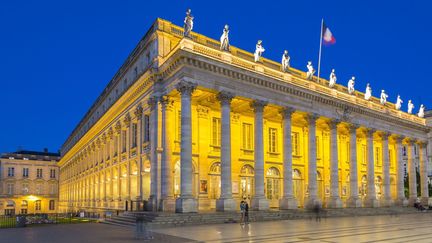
(225,97)
(165,100)
(152,102)
(312,117)
(399,138)
(110,133)
(117,127)
(127,120)
(371,131)
(186,87)
(258,105)
(334,122)
(353,127)
(422,143)
(138,111)
(385,135)
(286,112)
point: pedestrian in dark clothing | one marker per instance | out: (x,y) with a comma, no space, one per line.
(246,213)
(317,210)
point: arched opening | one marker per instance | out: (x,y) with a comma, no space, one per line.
(273,178)
(215,180)
(320,185)
(363,188)
(298,186)
(247,182)
(378,186)
(393,187)
(177,180)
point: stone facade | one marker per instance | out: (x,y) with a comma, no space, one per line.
(198,128)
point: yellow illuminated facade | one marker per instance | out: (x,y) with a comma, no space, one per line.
(187,127)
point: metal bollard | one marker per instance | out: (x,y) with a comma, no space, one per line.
(141,231)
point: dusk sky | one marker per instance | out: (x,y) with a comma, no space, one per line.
(57,56)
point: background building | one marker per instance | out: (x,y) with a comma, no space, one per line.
(28,182)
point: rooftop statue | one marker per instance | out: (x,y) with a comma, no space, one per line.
(421,111)
(383,98)
(332,79)
(188,24)
(351,85)
(368,92)
(259,49)
(285,61)
(410,107)
(224,41)
(399,102)
(310,71)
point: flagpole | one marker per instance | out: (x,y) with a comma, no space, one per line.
(319,55)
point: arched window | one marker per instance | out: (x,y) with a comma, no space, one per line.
(273,184)
(247,182)
(320,185)
(298,186)
(378,186)
(215,181)
(24,203)
(363,188)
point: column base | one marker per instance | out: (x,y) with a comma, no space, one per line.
(288,203)
(260,204)
(354,202)
(334,202)
(167,205)
(225,205)
(186,205)
(371,203)
(387,202)
(311,203)
(152,204)
(412,200)
(403,202)
(424,201)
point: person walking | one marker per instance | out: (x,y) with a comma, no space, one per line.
(242,212)
(246,218)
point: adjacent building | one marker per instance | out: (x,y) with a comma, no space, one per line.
(186,126)
(29,182)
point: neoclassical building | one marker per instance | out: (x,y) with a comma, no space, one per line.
(186,126)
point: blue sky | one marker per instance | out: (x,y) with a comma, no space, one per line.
(57,56)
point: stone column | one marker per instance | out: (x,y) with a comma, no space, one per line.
(167,193)
(259,201)
(371,199)
(138,114)
(386,201)
(288,200)
(424,174)
(335,200)
(226,201)
(411,173)
(186,203)
(119,150)
(154,118)
(312,199)
(401,200)
(354,200)
(127,122)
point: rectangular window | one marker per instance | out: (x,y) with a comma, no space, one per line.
(377,156)
(38,205)
(295,143)
(10,189)
(11,171)
(364,154)
(115,145)
(25,172)
(108,148)
(247,136)
(39,173)
(52,173)
(134,135)
(216,131)
(51,205)
(123,143)
(272,140)
(146,132)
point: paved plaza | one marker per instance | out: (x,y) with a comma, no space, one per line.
(403,228)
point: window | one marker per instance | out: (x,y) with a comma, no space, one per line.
(38,205)
(51,205)
(391,159)
(123,140)
(363,154)
(10,188)
(318,149)
(146,128)
(377,156)
(52,173)
(295,143)
(247,136)
(11,171)
(39,173)
(108,148)
(25,172)
(272,140)
(216,131)
(178,125)
(115,145)
(25,188)
(134,135)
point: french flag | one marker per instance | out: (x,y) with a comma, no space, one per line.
(327,36)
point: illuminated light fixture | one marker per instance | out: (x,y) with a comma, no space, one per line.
(32,198)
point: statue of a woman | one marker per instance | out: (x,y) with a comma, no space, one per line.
(368,92)
(421,111)
(310,71)
(259,49)
(285,61)
(410,107)
(188,24)
(332,79)
(351,83)
(399,102)
(224,41)
(383,98)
